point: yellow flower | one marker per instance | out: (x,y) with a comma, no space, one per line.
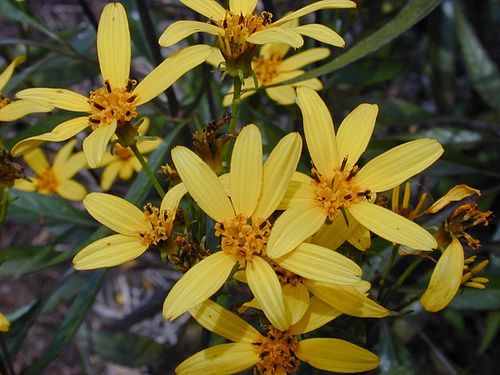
(122,162)
(278,352)
(57,178)
(137,231)
(239,29)
(4,323)
(340,193)
(11,111)
(113,105)
(242,223)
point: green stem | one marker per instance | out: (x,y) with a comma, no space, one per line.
(235,104)
(401,279)
(4,203)
(387,271)
(148,170)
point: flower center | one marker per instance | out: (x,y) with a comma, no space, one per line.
(47,182)
(243,239)
(122,153)
(3,101)
(109,104)
(276,352)
(266,69)
(339,192)
(285,277)
(465,217)
(161,225)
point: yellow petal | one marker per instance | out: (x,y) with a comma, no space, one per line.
(20,108)
(25,185)
(392,227)
(278,170)
(182,29)
(335,234)
(317,315)
(360,236)
(321,264)
(4,323)
(336,355)
(109,175)
(246,170)
(220,360)
(94,145)
(72,190)
(304,58)
(320,33)
(37,161)
(59,98)
(113,45)
(72,166)
(169,71)
(293,227)
(445,279)
(202,184)
(347,299)
(108,252)
(217,319)
(298,192)
(170,201)
(266,288)
(7,73)
(198,284)
(314,84)
(208,8)
(318,130)
(242,6)
(296,299)
(116,213)
(216,59)
(274,49)
(277,35)
(355,132)
(398,164)
(455,194)
(62,156)
(284,95)
(317,5)
(60,133)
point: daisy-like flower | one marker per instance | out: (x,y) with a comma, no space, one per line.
(114,105)
(4,323)
(14,110)
(58,177)
(340,193)
(277,352)
(242,224)
(137,230)
(122,162)
(239,29)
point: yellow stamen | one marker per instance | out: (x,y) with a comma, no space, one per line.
(464,217)
(267,69)
(276,353)
(286,277)
(47,182)
(161,225)
(469,276)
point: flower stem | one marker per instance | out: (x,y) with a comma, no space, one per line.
(147,170)
(387,271)
(235,104)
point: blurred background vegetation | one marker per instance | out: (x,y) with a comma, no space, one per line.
(433,68)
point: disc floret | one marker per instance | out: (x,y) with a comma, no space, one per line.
(161,225)
(276,352)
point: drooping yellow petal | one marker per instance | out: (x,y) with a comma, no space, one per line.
(347,299)
(116,213)
(60,133)
(72,190)
(37,161)
(317,5)
(109,252)
(182,29)
(277,35)
(7,73)
(455,194)
(298,192)
(171,200)
(246,170)
(318,263)
(4,323)
(217,319)
(94,145)
(334,234)
(296,298)
(208,8)
(266,288)
(318,130)
(317,315)
(355,132)
(169,71)
(304,58)
(445,279)
(198,284)
(20,108)
(398,164)
(392,227)
(109,175)
(113,45)
(221,359)
(293,227)
(284,95)
(336,355)
(59,98)
(242,6)
(278,170)
(203,185)
(320,33)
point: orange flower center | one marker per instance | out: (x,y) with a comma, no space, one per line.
(47,182)
(276,352)
(267,69)
(338,192)
(161,225)
(108,105)
(3,101)
(122,153)
(243,239)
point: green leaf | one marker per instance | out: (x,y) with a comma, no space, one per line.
(21,321)
(394,358)
(477,299)
(16,262)
(490,331)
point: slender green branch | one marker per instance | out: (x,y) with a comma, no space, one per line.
(147,170)
(387,271)
(235,106)
(4,203)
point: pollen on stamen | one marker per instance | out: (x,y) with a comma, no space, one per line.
(276,352)
(161,225)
